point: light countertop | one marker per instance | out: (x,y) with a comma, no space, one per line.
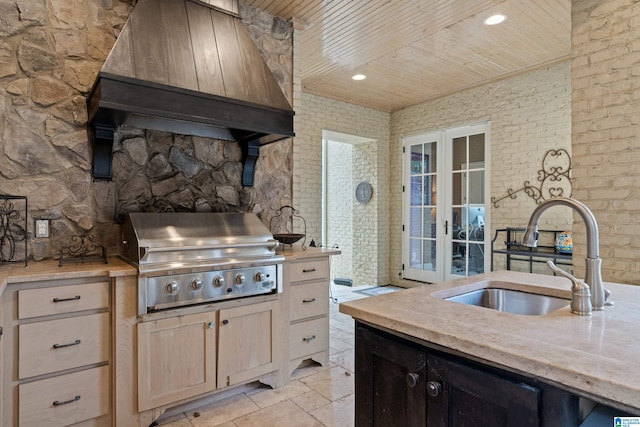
(292,253)
(50,270)
(596,355)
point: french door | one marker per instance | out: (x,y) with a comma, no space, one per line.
(445,183)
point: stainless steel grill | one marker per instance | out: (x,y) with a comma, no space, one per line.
(194,258)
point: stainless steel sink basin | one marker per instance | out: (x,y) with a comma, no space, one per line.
(512,301)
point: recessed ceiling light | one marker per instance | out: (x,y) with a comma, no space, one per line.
(359,77)
(495,19)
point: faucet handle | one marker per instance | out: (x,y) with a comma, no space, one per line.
(580,292)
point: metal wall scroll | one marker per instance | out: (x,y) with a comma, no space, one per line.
(554,179)
(83,250)
(13,229)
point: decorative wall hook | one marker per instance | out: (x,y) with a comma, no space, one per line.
(554,178)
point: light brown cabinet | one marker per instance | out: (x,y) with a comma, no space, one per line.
(56,353)
(247,342)
(176,359)
(308,290)
(186,356)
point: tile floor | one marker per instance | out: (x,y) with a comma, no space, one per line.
(316,395)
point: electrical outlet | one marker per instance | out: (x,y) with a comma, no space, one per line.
(42,228)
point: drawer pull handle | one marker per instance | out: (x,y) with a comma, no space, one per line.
(66,299)
(76,342)
(309,300)
(312,337)
(75,399)
(308,270)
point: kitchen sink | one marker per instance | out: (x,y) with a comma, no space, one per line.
(512,301)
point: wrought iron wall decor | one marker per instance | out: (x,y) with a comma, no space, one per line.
(554,178)
(83,250)
(13,229)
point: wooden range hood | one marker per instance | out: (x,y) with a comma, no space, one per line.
(187,67)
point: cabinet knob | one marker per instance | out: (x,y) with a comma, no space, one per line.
(433,388)
(412,379)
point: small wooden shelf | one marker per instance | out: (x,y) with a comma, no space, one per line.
(516,252)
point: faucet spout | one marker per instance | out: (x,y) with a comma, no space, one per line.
(593,262)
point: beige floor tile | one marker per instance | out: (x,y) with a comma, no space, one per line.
(332,383)
(223,411)
(310,401)
(345,336)
(282,414)
(340,413)
(270,397)
(345,359)
(175,422)
(336,345)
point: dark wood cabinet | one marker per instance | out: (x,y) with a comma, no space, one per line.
(391,378)
(459,395)
(401,382)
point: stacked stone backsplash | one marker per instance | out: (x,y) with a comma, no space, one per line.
(50,54)
(164,172)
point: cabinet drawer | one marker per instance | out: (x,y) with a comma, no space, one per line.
(309,337)
(62,299)
(309,270)
(66,399)
(55,345)
(309,300)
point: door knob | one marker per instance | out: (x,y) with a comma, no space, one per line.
(412,379)
(433,388)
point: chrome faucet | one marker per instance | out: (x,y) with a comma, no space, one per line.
(593,276)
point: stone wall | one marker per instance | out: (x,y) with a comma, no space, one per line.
(50,53)
(529,114)
(606,122)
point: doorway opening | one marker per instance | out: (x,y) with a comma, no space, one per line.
(349,220)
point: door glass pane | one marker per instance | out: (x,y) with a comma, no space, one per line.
(456,221)
(476,148)
(429,190)
(415,253)
(429,222)
(476,259)
(429,251)
(416,191)
(430,158)
(476,187)
(415,218)
(458,258)
(416,159)
(459,153)
(458,188)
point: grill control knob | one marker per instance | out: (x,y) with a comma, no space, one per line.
(240,279)
(259,276)
(172,287)
(218,281)
(196,284)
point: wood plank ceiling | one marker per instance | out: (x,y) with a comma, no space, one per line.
(416,50)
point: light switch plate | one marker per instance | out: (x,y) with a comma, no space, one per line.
(42,228)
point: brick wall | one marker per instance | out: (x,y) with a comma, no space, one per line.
(315,114)
(606,118)
(529,114)
(340,214)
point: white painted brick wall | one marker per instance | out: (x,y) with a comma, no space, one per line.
(605,126)
(371,232)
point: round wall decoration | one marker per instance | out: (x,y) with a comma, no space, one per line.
(364,192)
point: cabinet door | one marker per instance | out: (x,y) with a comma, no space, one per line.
(246,343)
(390,381)
(460,395)
(176,359)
